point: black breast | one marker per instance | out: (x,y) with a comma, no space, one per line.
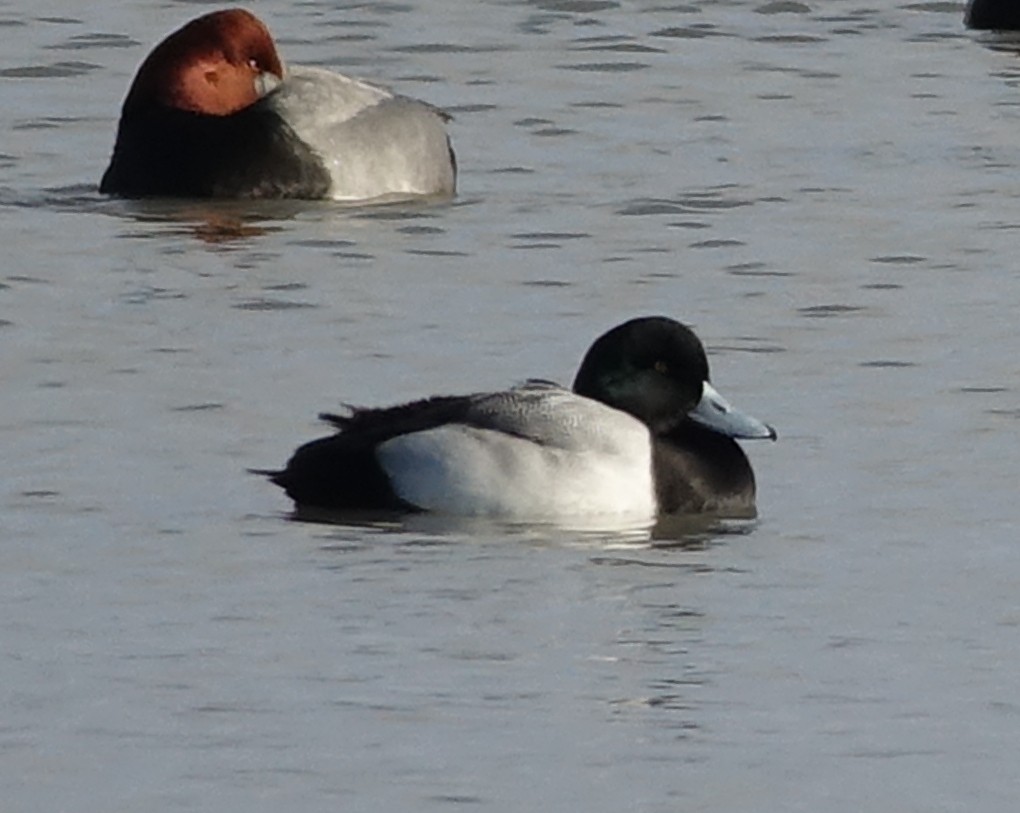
(699,470)
(163,152)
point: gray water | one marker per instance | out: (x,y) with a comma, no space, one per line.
(829,192)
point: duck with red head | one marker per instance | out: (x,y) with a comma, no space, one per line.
(212,112)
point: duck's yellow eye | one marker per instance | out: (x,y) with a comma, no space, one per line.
(661,367)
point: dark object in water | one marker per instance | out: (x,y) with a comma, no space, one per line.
(1001,15)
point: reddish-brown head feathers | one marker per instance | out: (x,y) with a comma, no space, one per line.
(209,66)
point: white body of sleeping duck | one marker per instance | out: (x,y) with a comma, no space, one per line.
(212,112)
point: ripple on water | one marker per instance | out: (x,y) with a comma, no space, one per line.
(689,32)
(790,39)
(606,67)
(748,344)
(546,239)
(721,243)
(755,269)
(84,42)
(627,47)
(56,70)
(898,259)
(825,311)
(707,201)
(887,363)
(46,123)
(783,7)
(574,6)
(268,304)
(449,48)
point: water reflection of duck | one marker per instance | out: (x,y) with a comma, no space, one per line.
(993,14)
(641,433)
(212,112)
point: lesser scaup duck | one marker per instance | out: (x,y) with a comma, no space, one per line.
(643,432)
(1001,15)
(212,112)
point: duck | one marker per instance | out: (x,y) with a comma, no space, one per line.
(1001,15)
(214,113)
(641,433)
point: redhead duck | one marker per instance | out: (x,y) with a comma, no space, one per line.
(993,14)
(212,112)
(641,433)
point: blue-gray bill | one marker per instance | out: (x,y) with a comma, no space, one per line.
(714,411)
